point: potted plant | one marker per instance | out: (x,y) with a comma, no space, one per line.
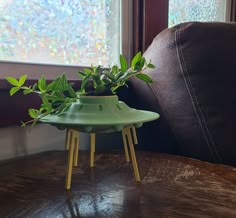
(94,108)
(59,98)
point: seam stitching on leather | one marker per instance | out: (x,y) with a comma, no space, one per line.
(196,107)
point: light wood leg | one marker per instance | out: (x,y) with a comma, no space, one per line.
(68,138)
(76,144)
(133,156)
(92,149)
(124,133)
(134,135)
(70,164)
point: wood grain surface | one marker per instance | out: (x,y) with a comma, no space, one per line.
(171,186)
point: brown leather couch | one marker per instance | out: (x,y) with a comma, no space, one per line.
(194,91)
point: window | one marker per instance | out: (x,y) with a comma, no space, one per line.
(197,10)
(65,32)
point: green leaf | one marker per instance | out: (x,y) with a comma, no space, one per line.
(97,69)
(13,90)
(131,73)
(97,81)
(123,63)
(64,83)
(72,92)
(105,79)
(56,84)
(144,77)
(33,113)
(22,80)
(141,63)
(123,76)
(115,69)
(57,104)
(42,84)
(151,66)
(53,97)
(51,85)
(88,71)
(48,106)
(136,59)
(35,86)
(12,81)
(81,74)
(110,76)
(27,91)
(84,83)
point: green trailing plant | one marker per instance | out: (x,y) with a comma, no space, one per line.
(58,95)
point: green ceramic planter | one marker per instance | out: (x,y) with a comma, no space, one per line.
(100,114)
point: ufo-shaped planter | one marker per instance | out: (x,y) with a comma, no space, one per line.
(99,114)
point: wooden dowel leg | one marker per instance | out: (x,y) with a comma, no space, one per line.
(76,144)
(69,165)
(68,138)
(133,156)
(92,149)
(124,133)
(134,135)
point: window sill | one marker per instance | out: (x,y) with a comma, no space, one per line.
(35,71)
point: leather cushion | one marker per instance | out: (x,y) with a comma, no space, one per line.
(194,84)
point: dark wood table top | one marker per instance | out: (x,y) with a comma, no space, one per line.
(171,186)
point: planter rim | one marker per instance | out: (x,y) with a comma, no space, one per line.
(98,96)
(98,99)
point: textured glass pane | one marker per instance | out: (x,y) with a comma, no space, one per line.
(73,32)
(196,10)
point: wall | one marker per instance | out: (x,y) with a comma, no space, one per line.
(17,141)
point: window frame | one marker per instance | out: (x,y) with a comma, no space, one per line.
(35,70)
(228,10)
